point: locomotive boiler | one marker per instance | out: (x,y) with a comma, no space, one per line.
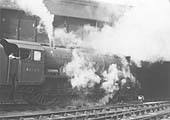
(35,73)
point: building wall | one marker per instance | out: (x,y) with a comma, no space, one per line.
(72,15)
(17,25)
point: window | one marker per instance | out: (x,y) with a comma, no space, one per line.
(27,30)
(9,22)
(17,25)
(76,25)
(24,53)
(37,55)
(60,22)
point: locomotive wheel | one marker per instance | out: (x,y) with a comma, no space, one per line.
(36,97)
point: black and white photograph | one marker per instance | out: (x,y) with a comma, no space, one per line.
(84,59)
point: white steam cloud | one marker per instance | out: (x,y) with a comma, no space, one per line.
(110,76)
(82,71)
(143,32)
(110,85)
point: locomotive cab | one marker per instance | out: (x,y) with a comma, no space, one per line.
(28,67)
(31,66)
(22,69)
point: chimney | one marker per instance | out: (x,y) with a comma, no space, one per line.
(128,58)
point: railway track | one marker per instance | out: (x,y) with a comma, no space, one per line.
(131,111)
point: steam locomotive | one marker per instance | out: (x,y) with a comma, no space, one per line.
(34,73)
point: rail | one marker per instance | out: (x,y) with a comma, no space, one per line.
(99,113)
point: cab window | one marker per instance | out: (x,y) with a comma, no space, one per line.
(25,53)
(37,56)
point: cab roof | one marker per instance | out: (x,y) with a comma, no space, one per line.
(26,44)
